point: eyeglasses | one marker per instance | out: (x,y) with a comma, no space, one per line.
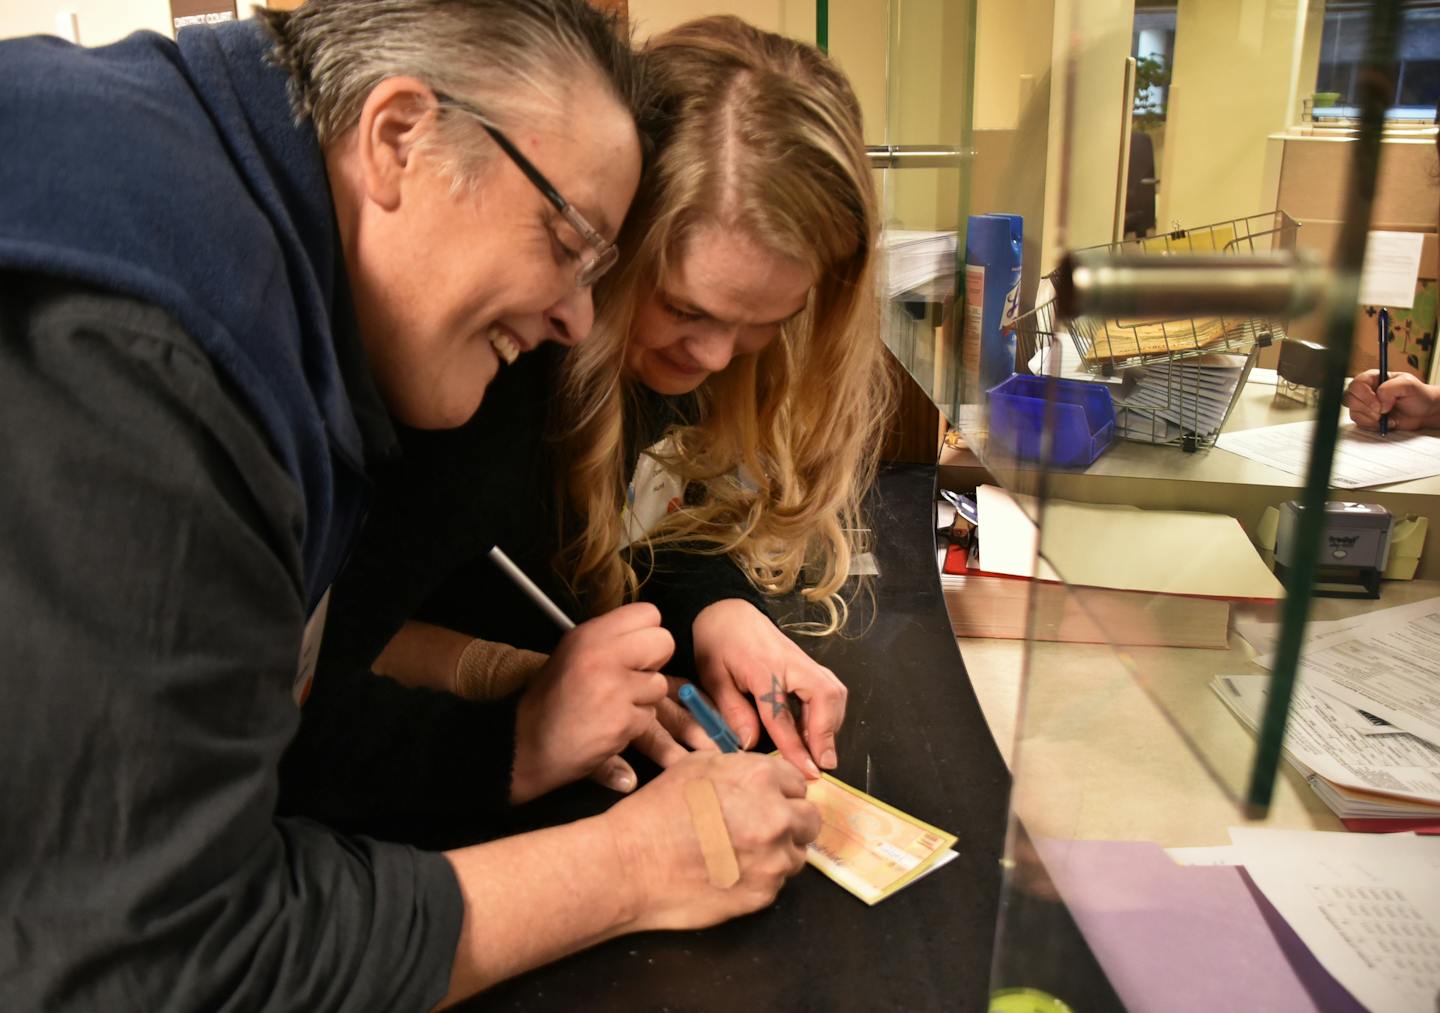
(602,254)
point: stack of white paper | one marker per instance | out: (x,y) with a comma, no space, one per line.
(1184,396)
(1360,769)
(913,258)
(1364,723)
(1387,664)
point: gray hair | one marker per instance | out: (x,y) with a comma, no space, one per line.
(516,59)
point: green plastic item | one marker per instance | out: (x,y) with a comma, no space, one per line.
(1025,1000)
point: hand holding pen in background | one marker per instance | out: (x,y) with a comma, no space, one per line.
(1383,325)
(1408,402)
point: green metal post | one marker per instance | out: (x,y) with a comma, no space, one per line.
(1377,86)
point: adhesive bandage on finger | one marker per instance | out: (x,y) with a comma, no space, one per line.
(721,865)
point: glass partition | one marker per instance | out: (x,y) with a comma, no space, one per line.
(1147,425)
(923,163)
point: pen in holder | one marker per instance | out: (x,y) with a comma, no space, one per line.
(1384,328)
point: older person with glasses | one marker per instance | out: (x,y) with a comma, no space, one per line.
(602,253)
(226,263)
(736,370)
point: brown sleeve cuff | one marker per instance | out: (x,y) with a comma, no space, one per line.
(492,671)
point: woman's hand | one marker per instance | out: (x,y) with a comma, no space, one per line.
(597,693)
(1411,403)
(664,741)
(766,818)
(740,653)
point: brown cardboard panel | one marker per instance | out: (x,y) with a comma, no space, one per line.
(1321,238)
(1314,174)
(1365,352)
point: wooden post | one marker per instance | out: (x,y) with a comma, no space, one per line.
(914,431)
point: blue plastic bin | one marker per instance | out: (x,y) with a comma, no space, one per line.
(1084,419)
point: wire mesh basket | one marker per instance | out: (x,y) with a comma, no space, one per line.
(1174,381)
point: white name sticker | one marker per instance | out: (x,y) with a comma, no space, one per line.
(310,651)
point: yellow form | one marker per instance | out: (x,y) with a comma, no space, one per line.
(868,847)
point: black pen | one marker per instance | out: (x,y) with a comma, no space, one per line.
(1384,349)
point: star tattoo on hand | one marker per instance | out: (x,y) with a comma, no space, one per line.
(776,698)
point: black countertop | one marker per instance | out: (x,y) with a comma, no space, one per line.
(914,737)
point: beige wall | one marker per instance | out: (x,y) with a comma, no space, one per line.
(859,35)
(1240,68)
(924,92)
(1012,117)
(859,43)
(928,91)
(1083,158)
(795,18)
(1012,55)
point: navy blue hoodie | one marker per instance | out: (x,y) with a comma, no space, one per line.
(175,174)
(180,475)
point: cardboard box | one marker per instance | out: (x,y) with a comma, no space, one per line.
(1313,177)
(1412,331)
(1315,172)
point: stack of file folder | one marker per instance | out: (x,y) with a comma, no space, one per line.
(915,260)
(1101,574)
(1160,402)
(1375,778)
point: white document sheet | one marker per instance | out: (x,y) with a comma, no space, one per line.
(1366,905)
(1319,740)
(1264,636)
(1388,666)
(1365,723)
(1362,458)
(1392,265)
(1317,632)
(1212,855)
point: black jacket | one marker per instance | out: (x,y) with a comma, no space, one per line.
(438,509)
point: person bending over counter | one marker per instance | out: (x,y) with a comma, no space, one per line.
(1411,402)
(223,263)
(739,340)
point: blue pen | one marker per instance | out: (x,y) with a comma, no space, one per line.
(713,723)
(1384,375)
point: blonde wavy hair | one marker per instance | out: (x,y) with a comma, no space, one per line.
(760,135)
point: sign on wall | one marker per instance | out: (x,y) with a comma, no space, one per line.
(184,13)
